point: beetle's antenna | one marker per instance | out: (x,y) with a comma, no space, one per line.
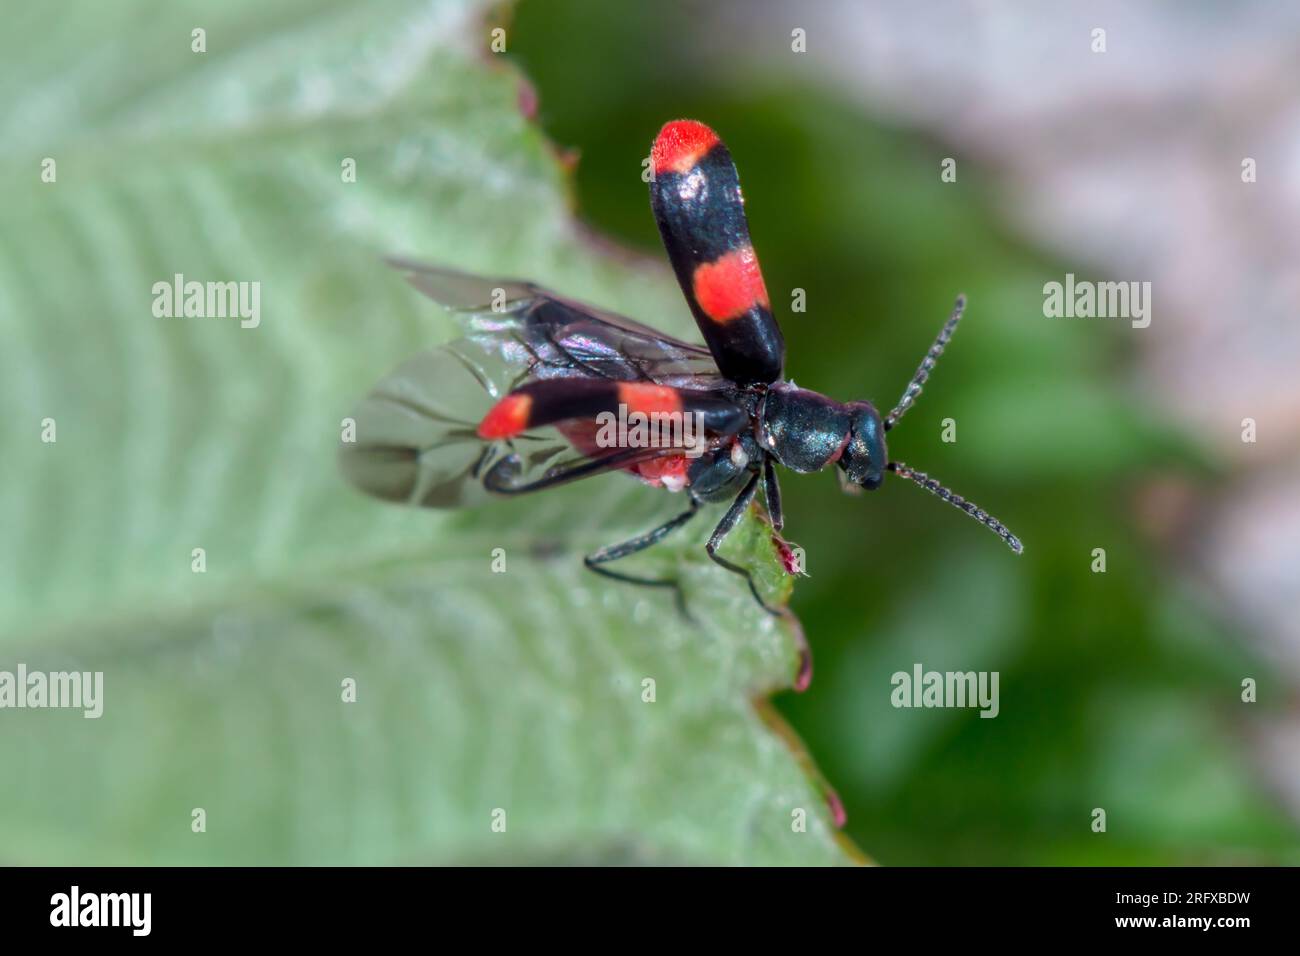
(976,512)
(927,365)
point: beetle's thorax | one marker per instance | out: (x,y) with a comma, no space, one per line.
(804,430)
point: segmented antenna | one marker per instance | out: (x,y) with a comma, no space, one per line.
(927,365)
(976,512)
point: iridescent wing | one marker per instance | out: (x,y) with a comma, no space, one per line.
(416,438)
(547,335)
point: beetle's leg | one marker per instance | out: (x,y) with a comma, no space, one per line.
(804,676)
(725,527)
(615,551)
(772,494)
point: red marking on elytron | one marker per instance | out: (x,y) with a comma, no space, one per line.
(730,286)
(680,145)
(506,418)
(667,472)
(648,399)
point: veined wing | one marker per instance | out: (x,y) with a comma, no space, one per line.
(416,432)
(546,335)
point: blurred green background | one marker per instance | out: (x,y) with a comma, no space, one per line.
(524,691)
(1119,690)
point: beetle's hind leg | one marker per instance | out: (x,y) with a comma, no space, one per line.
(597,559)
(725,527)
(728,523)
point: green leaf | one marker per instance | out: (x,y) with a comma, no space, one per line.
(223,690)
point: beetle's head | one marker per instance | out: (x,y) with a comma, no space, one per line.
(864,457)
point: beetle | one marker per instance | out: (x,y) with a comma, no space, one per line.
(558,368)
